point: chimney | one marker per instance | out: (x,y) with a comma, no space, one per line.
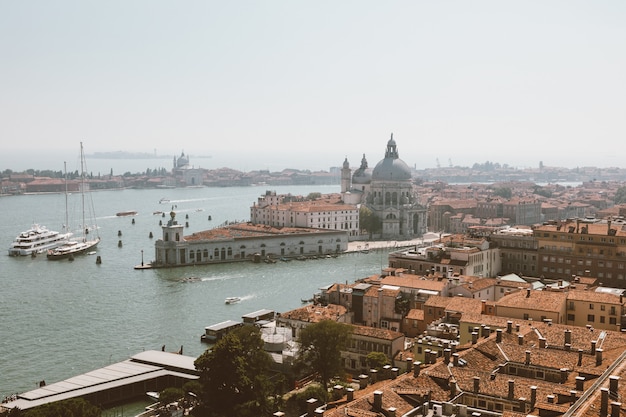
(533,396)
(580,383)
(455,359)
(487,331)
(563,375)
(520,339)
(391,412)
(580,357)
(550,398)
(350,394)
(474,338)
(615,409)
(509,326)
(613,385)
(373,374)
(527,361)
(452,384)
(476,384)
(498,335)
(542,342)
(311,406)
(378,400)
(604,402)
(416,368)
(593,347)
(511,389)
(446,356)
(598,357)
(568,337)
(409,364)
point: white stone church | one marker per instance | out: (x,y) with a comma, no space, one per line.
(388,192)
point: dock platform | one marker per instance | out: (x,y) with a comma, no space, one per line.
(123,381)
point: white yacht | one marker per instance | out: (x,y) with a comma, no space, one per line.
(37,239)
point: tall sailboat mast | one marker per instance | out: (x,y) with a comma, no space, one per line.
(82,189)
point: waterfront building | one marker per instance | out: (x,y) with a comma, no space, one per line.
(185,174)
(388,191)
(243,242)
(325,212)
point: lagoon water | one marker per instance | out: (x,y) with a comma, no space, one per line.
(63,318)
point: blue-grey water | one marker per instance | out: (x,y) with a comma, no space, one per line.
(62,318)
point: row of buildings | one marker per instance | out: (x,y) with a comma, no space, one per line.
(466,346)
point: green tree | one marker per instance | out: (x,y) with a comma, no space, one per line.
(75,407)
(504,192)
(321,346)
(170,395)
(620,195)
(313,196)
(376,360)
(235,376)
(369,221)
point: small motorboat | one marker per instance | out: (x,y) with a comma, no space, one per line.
(232,300)
(126,213)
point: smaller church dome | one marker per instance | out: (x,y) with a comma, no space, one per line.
(363,175)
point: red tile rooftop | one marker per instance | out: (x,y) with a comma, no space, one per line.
(249,230)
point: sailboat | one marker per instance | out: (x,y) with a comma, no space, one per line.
(80,244)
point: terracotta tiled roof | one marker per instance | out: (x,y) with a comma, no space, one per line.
(537,300)
(314,313)
(249,230)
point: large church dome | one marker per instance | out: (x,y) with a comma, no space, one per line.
(392,168)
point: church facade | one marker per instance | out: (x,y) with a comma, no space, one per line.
(387,190)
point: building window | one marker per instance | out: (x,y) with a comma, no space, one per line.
(591,318)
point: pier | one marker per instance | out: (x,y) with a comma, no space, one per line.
(123,381)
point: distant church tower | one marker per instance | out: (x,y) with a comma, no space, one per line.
(346,175)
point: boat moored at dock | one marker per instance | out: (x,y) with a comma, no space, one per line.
(37,239)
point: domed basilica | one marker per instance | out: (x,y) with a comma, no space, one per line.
(387,191)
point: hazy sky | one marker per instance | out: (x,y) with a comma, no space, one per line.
(310,83)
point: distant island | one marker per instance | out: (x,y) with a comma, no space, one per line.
(131,155)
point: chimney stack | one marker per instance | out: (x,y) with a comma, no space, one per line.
(598,357)
(568,337)
(580,357)
(498,335)
(511,389)
(615,409)
(476,384)
(533,396)
(580,383)
(604,402)
(527,361)
(593,347)
(311,406)
(378,400)
(416,368)
(613,386)
(509,326)
(520,339)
